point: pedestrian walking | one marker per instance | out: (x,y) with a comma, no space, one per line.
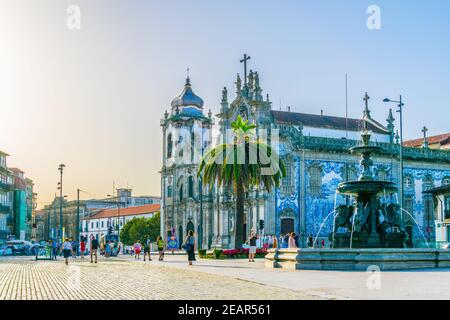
(160,245)
(94,248)
(310,242)
(55,249)
(74,248)
(252,243)
(82,247)
(137,250)
(323,243)
(291,241)
(286,241)
(147,245)
(296,239)
(66,249)
(275,242)
(189,246)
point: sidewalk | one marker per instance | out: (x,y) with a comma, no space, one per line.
(417,284)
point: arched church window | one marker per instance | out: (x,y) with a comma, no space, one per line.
(287,183)
(446,181)
(427,183)
(315,180)
(192,146)
(169,146)
(408,183)
(409,206)
(181,193)
(190,187)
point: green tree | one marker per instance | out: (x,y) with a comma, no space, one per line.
(137,229)
(241,165)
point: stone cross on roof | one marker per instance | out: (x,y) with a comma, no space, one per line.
(366,110)
(246,58)
(425,140)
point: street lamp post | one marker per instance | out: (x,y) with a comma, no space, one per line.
(399,110)
(61,169)
(78,221)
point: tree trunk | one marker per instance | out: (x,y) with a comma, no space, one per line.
(240,198)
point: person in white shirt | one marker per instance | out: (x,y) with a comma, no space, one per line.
(66,249)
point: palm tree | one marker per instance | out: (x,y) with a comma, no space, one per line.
(241,165)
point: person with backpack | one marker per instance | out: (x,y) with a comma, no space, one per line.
(189,246)
(94,248)
(147,244)
(160,245)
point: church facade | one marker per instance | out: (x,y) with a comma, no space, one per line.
(315,149)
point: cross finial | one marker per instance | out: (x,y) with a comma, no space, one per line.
(425,130)
(366,110)
(188,80)
(425,140)
(246,58)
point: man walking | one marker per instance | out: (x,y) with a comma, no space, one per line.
(54,249)
(94,248)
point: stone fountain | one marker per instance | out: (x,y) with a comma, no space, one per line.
(367,234)
(367,223)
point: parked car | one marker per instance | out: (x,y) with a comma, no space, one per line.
(446,246)
(5,250)
(20,247)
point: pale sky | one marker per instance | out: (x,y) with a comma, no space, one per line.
(93,98)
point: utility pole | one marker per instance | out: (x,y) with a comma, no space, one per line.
(54,236)
(61,169)
(78,220)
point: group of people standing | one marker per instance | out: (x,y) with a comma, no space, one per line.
(146,246)
(68,250)
(291,240)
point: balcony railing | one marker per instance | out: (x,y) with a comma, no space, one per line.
(4,209)
(5,187)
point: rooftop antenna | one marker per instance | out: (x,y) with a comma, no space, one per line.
(280,104)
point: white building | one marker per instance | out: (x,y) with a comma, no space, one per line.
(442,215)
(112,220)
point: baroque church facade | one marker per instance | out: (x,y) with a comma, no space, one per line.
(315,150)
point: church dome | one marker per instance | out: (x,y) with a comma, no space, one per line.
(187,98)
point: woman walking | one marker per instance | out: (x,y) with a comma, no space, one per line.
(160,244)
(291,242)
(137,250)
(66,250)
(82,247)
(190,247)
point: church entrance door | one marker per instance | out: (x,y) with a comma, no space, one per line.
(287,226)
(190,227)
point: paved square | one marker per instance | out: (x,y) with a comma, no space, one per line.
(124,279)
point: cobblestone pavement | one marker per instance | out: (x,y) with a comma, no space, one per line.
(124,279)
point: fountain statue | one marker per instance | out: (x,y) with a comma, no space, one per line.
(369,223)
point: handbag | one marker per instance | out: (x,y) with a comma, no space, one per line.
(186,246)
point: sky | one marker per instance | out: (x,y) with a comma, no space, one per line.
(92,98)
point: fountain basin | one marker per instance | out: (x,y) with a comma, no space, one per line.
(357,259)
(366,187)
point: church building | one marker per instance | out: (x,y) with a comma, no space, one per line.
(315,150)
